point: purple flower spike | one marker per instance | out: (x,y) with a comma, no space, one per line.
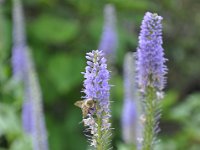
(109,37)
(32,113)
(151,72)
(131,127)
(96,79)
(97,88)
(24,70)
(150,55)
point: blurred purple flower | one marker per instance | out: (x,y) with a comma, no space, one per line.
(131,128)
(150,55)
(33,108)
(109,36)
(23,69)
(96,87)
(129,121)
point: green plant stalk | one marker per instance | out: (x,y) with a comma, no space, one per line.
(99,138)
(99,122)
(103,135)
(151,106)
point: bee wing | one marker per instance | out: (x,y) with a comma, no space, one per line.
(78,104)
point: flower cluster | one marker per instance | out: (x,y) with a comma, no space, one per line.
(150,60)
(150,75)
(96,87)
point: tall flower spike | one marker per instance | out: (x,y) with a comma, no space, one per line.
(32,113)
(24,70)
(96,87)
(131,127)
(108,41)
(150,75)
(129,114)
(150,55)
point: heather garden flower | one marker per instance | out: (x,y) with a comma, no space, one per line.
(97,88)
(151,72)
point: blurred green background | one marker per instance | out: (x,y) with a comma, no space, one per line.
(60,32)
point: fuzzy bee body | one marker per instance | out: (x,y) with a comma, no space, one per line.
(85,105)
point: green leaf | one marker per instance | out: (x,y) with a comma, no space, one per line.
(9,123)
(23,143)
(64,71)
(53,29)
(188,110)
(167,103)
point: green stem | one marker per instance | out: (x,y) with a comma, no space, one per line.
(103,134)
(149,125)
(99,138)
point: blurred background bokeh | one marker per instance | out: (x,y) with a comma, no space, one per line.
(60,32)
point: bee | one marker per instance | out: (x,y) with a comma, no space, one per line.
(86,105)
